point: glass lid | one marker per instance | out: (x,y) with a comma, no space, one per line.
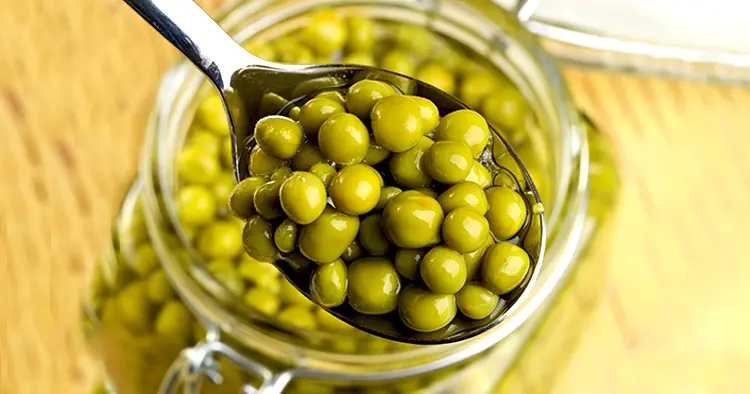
(687,38)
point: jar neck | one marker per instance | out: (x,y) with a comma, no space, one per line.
(516,53)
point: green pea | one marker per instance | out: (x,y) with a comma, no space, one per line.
(464,194)
(297,316)
(267,202)
(194,166)
(225,273)
(344,139)
(294,113)
(505,107)
(241,199)
(203,139)
(325,32)
(474,259)
(334,95)
(316,111)
(443,270)
(303,197)
(397,123)
(413,220)
(479,174)
(211,114)
(324,171)
(352,252)
(437,76)
(144,260)
(407,262)
(261,50)
(262,164)
(134,309)
(429,113)
(361,34)
(399,62)
(507,212)
(278,136)
(504,267)
(361,58)
(328,284)
(476,302)
(371,236)
(464,230)
(448,162)
(363,95)
(285,236)
(271,104)
(257,237)
(260,274)
(425,311)
(475,87)
(413,38)
(281,174)
(308,155)
(464,126)
(326,239)
(226,153)
(373,286)
(375,154)
(175,322)
(407,167)
(158,288)
(355,189)
(386,194)
(223,187)
(263,301)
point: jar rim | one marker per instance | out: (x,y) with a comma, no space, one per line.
(157,176)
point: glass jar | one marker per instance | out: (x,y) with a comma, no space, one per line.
(175,303)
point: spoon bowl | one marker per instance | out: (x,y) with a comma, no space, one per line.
(252,88)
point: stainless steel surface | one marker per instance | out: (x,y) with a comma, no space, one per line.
(244,80)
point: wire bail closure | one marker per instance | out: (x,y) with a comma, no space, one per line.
(195,363)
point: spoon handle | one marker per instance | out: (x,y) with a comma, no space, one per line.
(184,24)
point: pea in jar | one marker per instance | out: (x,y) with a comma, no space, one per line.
(176,298)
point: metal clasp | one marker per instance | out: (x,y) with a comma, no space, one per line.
(525,9)
(199,362)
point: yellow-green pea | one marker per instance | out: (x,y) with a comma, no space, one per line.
(262,300)
(257,237)
(144,260)
(158,288)
(211,114)
(261,163)
(174,322)
(504,267)
(326,32)
(386,194)
(195,166)
(437,76)
(297,316)
(361,34)
(285,236)
(407,262)
(324,171)
(399,62)
(328,284)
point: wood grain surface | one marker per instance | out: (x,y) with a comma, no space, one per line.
(77,80)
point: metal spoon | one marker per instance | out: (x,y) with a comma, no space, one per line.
(252,88)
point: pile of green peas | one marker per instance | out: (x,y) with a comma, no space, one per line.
(361,201)
(141,304)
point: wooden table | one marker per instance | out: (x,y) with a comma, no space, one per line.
(673,319)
